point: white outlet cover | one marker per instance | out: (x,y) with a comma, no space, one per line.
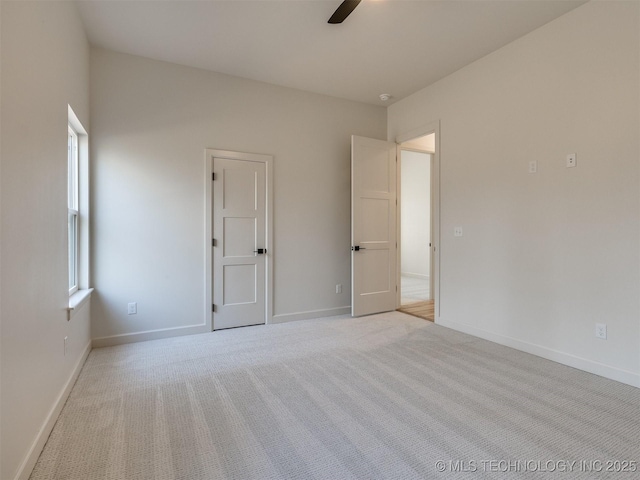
(457,232)
(132,308)
(533,166)
(572,160)
(601,331)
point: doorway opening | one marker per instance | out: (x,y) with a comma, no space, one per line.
(415,227)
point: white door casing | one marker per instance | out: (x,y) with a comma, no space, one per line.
(238,224)
(373,226)
(434,279)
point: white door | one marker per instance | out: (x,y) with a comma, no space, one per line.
(373,226)
(239,232)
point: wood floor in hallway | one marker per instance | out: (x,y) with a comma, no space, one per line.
(420,309)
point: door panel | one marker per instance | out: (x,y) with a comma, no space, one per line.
(375,219)
(239,236)
(373,226)
(376,176)
(375,272)
(240,188)
(239,284)
(239,229)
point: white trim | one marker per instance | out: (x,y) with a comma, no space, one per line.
(208,236)
(210,153)
(433,127)
(26,467)
(73,216)
(417,150)
(148,335)
(83,274)
(311,314)
(77,300)
(412,134)
(612,373)
(398,225)
(75,122)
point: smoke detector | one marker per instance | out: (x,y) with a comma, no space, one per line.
(384,97)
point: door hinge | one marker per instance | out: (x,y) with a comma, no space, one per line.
(214,243)
(213,307)
(213,177)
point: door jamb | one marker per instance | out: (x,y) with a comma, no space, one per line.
(433,127)
(210,154)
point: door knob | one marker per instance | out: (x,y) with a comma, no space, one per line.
(260,251)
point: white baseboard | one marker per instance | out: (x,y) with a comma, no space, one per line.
(148,335)
(24,472)
(329,312)
(612,373)
(415,275)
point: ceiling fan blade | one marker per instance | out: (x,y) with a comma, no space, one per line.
(343,11)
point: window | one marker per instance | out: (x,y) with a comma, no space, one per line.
(73,209)
(78,214)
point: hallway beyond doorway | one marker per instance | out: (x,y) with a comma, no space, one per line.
(413,289)
(415,297)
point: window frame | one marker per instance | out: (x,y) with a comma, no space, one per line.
(73,209)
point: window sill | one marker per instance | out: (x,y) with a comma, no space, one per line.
(77,300)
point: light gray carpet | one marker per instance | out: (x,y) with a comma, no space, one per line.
(380,397)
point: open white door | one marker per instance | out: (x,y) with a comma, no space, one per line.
(373,226)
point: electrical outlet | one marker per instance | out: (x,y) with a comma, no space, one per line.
(533,166)
(339,288)
(601,331)
(66,342)
(572,160)
(457,232)
(132,308)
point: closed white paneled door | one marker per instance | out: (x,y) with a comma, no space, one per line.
(373,226)
(239,246)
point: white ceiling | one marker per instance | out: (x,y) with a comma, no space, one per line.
(390,46)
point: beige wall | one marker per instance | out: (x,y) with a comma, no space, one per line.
(544,256)
(151,122)
(45,66)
